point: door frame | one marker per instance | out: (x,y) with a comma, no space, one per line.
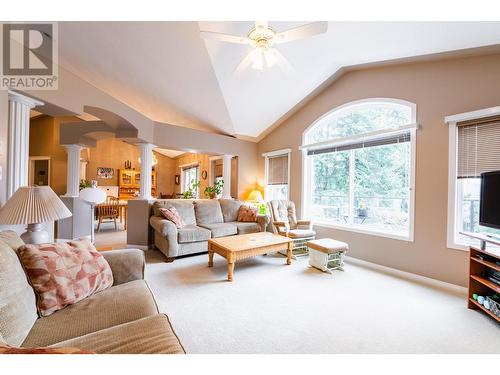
(31,168)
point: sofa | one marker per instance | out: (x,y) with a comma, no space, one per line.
(121,319)
(204,219)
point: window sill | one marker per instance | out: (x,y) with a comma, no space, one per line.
(359,229)
(459,246)
(464,246)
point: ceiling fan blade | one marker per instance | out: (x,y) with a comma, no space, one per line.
(301,32)
(220,37)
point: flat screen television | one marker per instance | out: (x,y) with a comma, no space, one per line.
(489,206)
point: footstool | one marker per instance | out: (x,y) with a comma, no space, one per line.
(326,254)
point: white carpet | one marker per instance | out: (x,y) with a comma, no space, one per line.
(274,308)
(109,237)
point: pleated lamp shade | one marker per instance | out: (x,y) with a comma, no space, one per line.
(33,204)
(255,196)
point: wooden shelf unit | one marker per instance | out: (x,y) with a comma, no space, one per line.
(129,182)
(478,284)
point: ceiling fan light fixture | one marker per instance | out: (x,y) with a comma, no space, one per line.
(270,57)
(262,37)
(257,56)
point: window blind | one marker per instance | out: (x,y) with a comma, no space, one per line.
(218,168)
(277,173)
(387,140)
(478,147)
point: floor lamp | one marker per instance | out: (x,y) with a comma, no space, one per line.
(92,195)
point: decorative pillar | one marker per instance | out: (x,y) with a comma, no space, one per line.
(18,140)
(226,176)
(83,169)
(146,168)
(73,170)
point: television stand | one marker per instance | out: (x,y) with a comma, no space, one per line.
(481,260)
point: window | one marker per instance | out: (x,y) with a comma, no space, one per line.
(358,168)
(189,177)
(277,169)
(474,145)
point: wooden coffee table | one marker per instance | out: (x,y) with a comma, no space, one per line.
(242,246)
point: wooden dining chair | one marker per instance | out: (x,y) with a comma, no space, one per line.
(108,211)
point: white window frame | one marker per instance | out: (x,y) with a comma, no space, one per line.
(187,166)
(454,214)
(307,166)
(271,154)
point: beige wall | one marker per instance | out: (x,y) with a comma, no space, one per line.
(439,88)
(204,164)
(113,152)
(165,173)
(110,152)
(179,138)
(44,141)
(203,161)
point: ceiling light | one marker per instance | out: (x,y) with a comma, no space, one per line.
(263,37)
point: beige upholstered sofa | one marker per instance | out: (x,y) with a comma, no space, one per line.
(121,319)
(205,219)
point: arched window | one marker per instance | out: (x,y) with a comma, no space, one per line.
(358,167)
(361,117)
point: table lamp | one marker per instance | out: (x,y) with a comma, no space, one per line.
(92,195)
(33,205)
(256,198)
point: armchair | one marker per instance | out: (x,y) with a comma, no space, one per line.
(284,222)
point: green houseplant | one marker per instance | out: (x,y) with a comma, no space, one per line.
(85,184)
(190,193)
(215,190)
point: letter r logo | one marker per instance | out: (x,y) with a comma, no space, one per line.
(27,49)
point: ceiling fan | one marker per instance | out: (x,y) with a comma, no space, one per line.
(263,38)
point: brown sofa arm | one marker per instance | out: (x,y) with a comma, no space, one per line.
(126,264)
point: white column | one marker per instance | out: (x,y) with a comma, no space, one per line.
(18,141)
(146,168)
(226,175)
(73,170)
(83,169)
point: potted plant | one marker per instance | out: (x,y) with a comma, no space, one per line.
(85,184)
(214,191)
(191,192)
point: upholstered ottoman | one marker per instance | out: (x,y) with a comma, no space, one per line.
(326,254)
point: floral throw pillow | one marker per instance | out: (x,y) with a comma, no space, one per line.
(64,273)
(7,349)
(247,214)
(172,215)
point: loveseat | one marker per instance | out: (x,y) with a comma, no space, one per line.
(204,219)
(121,319)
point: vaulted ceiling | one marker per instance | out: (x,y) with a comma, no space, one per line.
(166,71)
